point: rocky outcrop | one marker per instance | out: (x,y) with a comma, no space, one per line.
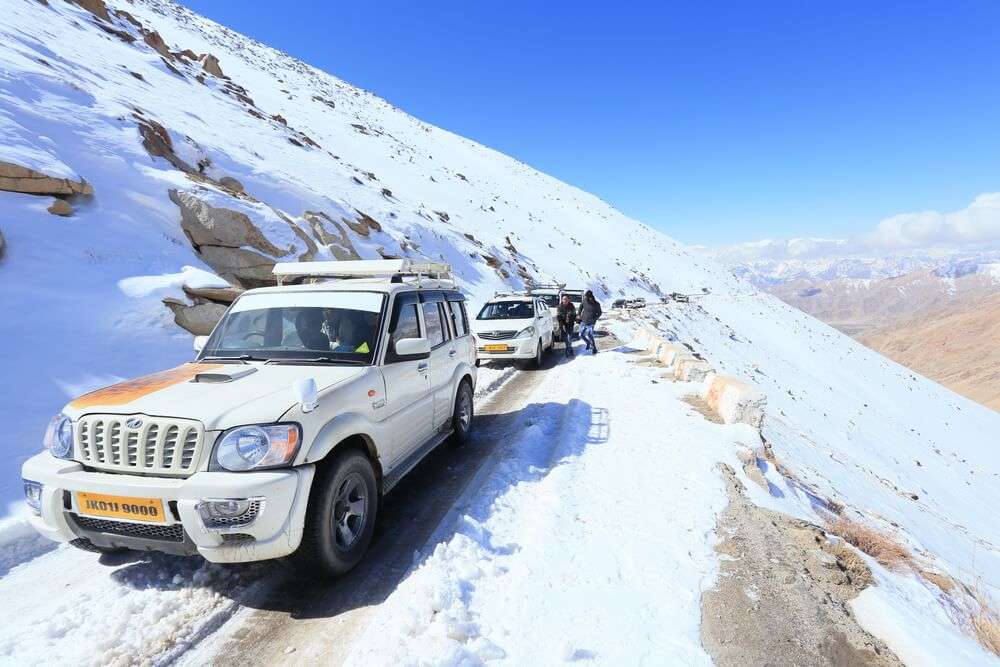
(95,7)
(157,142)
(154,40)
(211,65)
(364,225)
(231,184)
(331,234)
(199,319)
(15,178)
(228,241)
(60,207)
(223,295)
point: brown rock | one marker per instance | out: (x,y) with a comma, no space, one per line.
(331,234)
(211,65)
(186,53)
(154,40)
(224,295)
(156,140)
(15,178)
(60,207)
(230,183)
(199,319)
(364,225)
(95,7)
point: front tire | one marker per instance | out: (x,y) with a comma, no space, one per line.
(463,415)
(340,519)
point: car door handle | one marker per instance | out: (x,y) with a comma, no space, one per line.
(452,353)
(422,367)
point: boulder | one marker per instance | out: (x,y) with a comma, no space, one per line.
(690,369)
(231,184)
(157,142)
(60,207)
(734,400)
(154,40)
(15,178)
(198,319)
(224,295)
(95,7)
(228,241)
(211,65)
(332,234)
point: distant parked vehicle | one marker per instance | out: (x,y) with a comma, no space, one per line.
(636,303)
(619,303)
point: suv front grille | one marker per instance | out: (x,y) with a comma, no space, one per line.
(154,445)
(174,533)
(496,335)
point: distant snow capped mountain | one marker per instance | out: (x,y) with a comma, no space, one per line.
(777,262)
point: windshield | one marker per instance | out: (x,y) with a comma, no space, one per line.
(507,310)
(550,300)
(300,326)
(574,297)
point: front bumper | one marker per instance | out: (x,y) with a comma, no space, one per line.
(514,348)
(275,530)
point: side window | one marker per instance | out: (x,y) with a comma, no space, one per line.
(458,318)
(405,324)
(449,332)
(435,326)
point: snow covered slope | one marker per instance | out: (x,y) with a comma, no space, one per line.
(75,89)
(85,97)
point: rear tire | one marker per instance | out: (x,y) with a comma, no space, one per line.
(463,415)
(340,520)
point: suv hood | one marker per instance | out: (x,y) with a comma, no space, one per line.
(218,395)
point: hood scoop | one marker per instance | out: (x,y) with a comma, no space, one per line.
(228,376)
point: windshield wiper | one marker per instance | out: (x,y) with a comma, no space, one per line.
(317,360)
(239,357)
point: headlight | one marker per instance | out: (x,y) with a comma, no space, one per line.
(33,495)
(526,332)
(59,437)
(256,447)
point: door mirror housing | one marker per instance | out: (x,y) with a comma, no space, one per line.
(199,343)
(412,349)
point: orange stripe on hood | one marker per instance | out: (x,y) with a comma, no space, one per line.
(130,390)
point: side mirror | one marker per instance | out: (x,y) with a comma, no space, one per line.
(306,393)
(199,343)
(412,349)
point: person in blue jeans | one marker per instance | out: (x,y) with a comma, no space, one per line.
(590,311)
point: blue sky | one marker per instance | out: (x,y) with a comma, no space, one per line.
(715,122)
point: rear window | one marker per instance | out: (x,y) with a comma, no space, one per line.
(458,318)
(435,327)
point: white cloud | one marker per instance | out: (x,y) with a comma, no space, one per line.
(975,227)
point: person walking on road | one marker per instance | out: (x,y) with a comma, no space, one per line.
(566,316)
(590,311)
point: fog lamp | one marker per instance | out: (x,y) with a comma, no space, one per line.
(230,508)
(33,495)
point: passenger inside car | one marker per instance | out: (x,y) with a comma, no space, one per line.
(309,327)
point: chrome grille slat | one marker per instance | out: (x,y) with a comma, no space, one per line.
(496,335)
(160,446)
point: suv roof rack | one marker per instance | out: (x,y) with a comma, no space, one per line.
(497,295)
(547,286)
(393,270)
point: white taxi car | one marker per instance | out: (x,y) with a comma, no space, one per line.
(514,327)
(306,404)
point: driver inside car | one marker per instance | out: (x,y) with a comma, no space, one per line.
(354,334)
(309,327)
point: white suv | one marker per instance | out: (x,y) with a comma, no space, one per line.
(306,404)
(514,327)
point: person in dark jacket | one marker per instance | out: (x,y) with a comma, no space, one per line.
(590,311)
(566,316)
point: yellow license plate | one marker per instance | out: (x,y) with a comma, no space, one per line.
(495,348)
(149,510)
